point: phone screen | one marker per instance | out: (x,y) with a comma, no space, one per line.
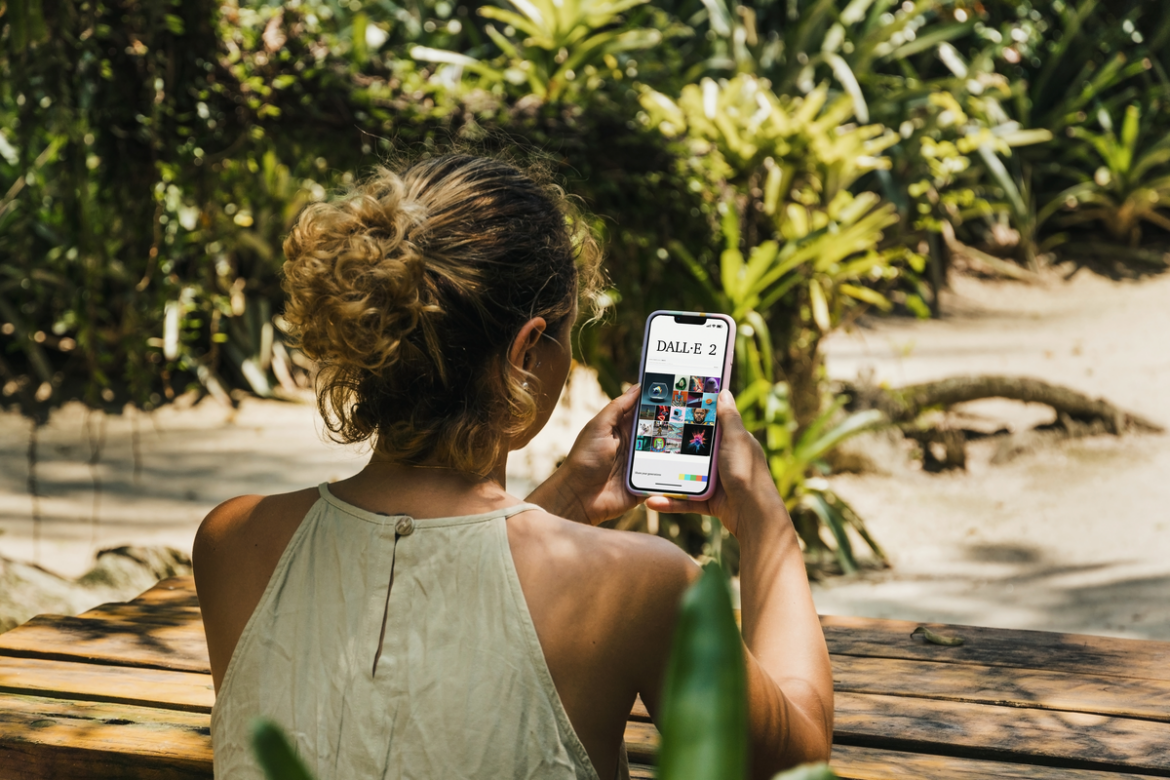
(685,356)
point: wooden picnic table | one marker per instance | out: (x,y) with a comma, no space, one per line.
(125,691)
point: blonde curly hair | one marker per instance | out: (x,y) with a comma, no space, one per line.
(408,291)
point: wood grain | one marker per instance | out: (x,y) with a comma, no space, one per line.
(641,742)
(179,591)
(178,646)
(1073,653)
(168,690)
(860,763)
(1121,696)
(1030,736)
(43,738)
(145,613)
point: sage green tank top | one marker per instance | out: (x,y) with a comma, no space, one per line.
(394,647)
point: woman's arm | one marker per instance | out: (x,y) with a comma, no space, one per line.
(790,681)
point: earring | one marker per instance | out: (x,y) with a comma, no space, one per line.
(524,385)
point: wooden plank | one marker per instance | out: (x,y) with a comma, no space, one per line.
(169,690)
(181,647)
(641,742)
(860,763)
(1074,653)
(1068,739)
(642,772)
(870,763)
(1122,696)
(137,612)
(179,591)
(639,712)
(44,738)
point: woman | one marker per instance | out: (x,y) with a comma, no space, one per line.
(416,620)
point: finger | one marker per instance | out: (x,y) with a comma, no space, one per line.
(676,505)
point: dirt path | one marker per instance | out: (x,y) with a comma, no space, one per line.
(1075,537)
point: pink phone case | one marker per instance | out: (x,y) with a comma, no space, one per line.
(714,473)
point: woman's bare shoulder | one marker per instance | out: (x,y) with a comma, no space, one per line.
(651,571)
(242,517)
(236,549)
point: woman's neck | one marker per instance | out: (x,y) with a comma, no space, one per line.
(423,491)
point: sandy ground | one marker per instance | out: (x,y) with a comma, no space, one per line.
(1073,538)
(191,458)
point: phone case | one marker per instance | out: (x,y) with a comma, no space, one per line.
(714,478)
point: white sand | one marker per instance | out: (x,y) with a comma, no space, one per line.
(1075,537)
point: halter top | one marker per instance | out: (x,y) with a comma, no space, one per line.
(393,647)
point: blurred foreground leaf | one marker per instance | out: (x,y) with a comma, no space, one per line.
(704,703)
(275,754)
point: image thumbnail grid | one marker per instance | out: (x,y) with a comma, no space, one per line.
(676,415)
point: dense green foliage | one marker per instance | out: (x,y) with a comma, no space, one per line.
(793,161)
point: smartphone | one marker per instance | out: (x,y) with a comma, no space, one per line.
(686,361)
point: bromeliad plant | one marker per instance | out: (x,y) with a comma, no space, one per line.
(1130,184)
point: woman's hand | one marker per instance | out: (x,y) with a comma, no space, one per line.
(589,487)
(745,488)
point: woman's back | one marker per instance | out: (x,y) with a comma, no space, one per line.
(445,678)
(514,645)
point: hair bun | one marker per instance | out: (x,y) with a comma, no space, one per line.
(354,276)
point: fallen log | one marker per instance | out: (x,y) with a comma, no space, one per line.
(903,405)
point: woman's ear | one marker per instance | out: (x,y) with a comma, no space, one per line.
(522,354)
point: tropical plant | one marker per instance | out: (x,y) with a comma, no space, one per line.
(801,43)
(552,49)
(782,168)
(1130,184)
(815,249)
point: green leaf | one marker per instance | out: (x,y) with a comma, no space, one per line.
(849,83)
(504,16)
(274,754)
(1129,136)
(719,17)
(937,639)
(427,54)
(940,34)
(836,523)
(704,699)
(819,305)
(808,450)
(1003,179)
(866,295)
(174,24)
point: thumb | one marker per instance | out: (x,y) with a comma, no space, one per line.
(613,412)
(728,414)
